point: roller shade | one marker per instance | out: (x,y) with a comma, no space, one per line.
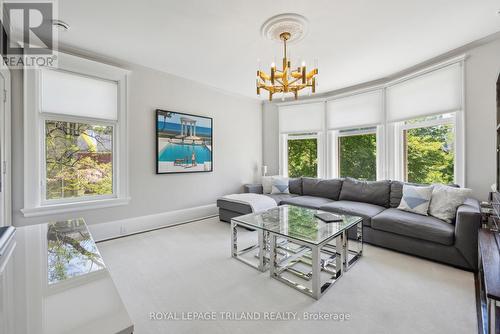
(308,117)
(434,92)
(77,95)
(355,110)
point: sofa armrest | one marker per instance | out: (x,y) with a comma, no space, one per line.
(253,188)
(467,225)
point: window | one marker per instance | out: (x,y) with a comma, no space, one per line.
(429,149)
(75,128)
(302,155)
(78,160)
(357,154)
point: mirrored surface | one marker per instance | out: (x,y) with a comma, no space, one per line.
(299,223)
(71,251)
(60,283)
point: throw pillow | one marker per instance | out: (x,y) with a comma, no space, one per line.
(416,199)
(267,184)
(280,185)
(446,200)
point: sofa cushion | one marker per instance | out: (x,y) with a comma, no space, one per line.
(280,197)
(363,210)
(414,226)
(327,188)
(295,185)
(311,202)
(234,206)
(374,192)
(396,193)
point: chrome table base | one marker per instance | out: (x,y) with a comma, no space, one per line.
(281,255)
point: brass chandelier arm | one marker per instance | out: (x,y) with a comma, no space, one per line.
(312,73)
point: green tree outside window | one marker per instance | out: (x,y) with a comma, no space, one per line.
(430,154)
(303,157)
(358,156)
(78,159)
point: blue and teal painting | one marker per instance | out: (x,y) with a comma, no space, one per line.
(184,142)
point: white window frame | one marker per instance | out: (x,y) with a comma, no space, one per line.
(35,202)
(285,137)
(335,150)
(401,127)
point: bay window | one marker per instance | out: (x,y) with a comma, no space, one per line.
(408,129)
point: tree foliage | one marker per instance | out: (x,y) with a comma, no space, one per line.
(303,157)
(358,156)
(430,156)
(78,159)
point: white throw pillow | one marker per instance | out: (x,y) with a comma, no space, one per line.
(267,184)
(446,200)
(416,199)
(280,185)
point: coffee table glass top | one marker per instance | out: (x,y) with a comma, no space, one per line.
(298,223)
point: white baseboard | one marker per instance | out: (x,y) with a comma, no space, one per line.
(123,227)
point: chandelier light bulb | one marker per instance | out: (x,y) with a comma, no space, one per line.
(303,63)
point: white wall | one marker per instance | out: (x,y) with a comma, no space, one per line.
(481,73)
(270,137)
(482,68)
(237,147)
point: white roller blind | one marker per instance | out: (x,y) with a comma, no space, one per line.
(356,110)
(302,117)
(431,93)
(77,95)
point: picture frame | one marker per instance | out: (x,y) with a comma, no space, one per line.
(184,142)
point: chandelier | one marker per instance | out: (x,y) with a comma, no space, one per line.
(287,79)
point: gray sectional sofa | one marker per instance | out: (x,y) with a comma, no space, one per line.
(383,224)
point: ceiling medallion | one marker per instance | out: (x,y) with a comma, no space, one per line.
(288,29)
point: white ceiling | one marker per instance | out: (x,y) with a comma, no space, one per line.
(218,42)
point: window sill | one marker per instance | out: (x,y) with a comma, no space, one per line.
(54,209)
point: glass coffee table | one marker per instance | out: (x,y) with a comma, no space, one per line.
(299,249)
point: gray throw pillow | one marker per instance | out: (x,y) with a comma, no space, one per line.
(446,200)
(416,199)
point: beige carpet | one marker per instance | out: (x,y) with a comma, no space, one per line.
(187,268)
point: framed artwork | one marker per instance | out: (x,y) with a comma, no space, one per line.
(183,143)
